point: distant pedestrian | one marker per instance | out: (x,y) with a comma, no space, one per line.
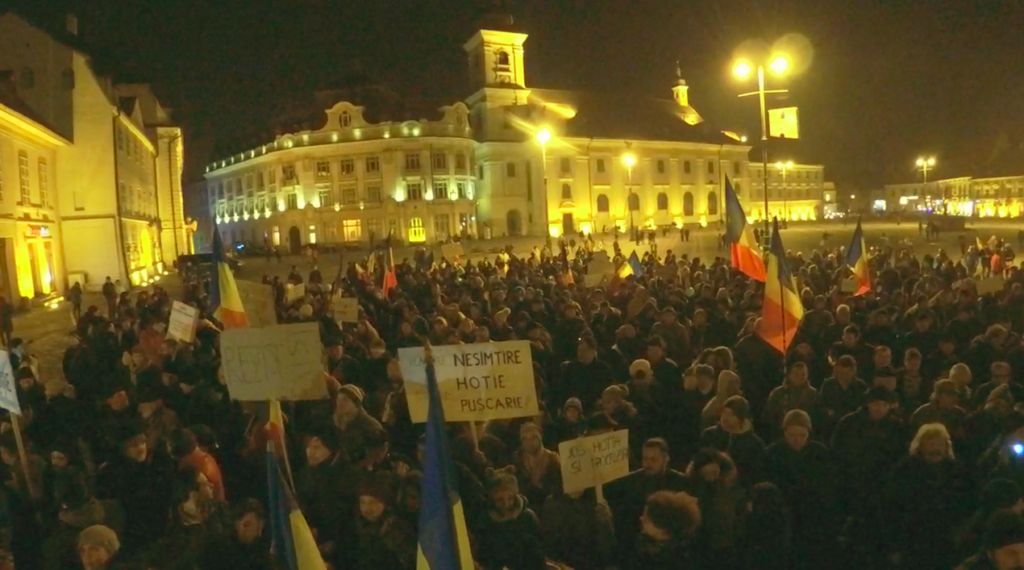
(75,297)
(110,294)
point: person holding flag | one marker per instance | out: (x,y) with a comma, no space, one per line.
(744,251)
(632,266)
(857,261)
(782,310)
(390,277)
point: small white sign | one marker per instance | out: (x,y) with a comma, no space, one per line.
(452,251)
(258,300)
(346,309)
(590,461)
(182,325)
(295,292)
(8,390)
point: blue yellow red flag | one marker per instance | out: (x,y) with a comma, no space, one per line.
(224,298)
(443,538)
(857,260)
(745,253)
(782,310)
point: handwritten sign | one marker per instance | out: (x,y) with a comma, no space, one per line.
(182,325)
(281,362)
(595,460)
(452,251)
(485,381)
(346,309)
(258,300)
(8,391)
(295,292)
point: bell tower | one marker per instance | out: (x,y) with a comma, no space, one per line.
(496,52)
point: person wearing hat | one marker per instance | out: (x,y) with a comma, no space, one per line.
(355,426)
(508,532)
(801,468)
(734,434)
(570,424)
(98,546)
(943,408)
(1002,546)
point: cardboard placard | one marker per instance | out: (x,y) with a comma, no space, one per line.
(293,293)
(603,268)
(346,309)
(258,300)
(452,251)
(593,280)
(8,391)
(281,362)
(182,325)
(989,285)
(478,382)
(594,460)
(848,286)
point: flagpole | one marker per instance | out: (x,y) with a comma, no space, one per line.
(782,300)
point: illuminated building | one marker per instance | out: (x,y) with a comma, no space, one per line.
(995,196)
(31,260)
(116,186)
(799,197)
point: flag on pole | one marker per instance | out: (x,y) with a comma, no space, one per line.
(782,309)
(857,260)
(292,541)
(224,298)
(632,266)
(744,251)
(443,538)
(390,277)
(783,123)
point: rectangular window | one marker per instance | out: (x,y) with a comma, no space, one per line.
(348,167)
(412,161)
(261,204)
(373,226)
(460,188)
(259,180)
(248,194)
(661,166)
(442,226)
(288,173)
(272,176)
(372,164)
(415,191)
(566,164)
(440,161)
(23,180)
(510,170)
(326,198)
(352,230)
(711,167)
(686,166)
(440,190)
(122,194)
(460,161)
(373,193)
(348,195)
(323,169)
(600,165)
(44,183)
(292,201)
(312,234)
(248,182)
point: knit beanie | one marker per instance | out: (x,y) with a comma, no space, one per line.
(352,392)
(797,418)
(528,429)
(1004,528)
(99,535)
(739,406)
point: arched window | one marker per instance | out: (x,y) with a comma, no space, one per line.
(663,201)
(346,120)
(634,202)
(688,204)
(566,192)
(602,203)
(28,78)
(501,59)
(712,204)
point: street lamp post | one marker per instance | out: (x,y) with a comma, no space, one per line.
(924,165)
(630,161)
(742,70)
(543,136)
(785,166)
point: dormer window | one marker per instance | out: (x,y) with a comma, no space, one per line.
(345,119)
(501,59)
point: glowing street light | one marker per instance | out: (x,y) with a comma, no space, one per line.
(742,69)
(924,165)
(779,65)
(543,136)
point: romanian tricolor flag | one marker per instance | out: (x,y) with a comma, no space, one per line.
(224,298)
(782,310)
(746,255)
(390,277)
(632,266)
(857,260)
(443,538)
(292,541)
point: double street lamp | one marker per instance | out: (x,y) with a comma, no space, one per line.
(630,161)
(924,165)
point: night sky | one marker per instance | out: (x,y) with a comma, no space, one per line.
(888,80)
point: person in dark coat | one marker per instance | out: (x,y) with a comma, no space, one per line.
(584,378)
(734,434)
(801,468)
(841,394)
(667,528)
(998,494)
(246,547)
(321,488)
(1003,545)
(767,527)
(577,530)
(508,533)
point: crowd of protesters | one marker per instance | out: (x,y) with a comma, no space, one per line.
(891,434)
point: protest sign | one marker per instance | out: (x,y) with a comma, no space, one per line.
(452,251)
(182,325)
(602,268)
(989,285)
(258,300)
(595,460)
(848,286)
(280,362)
(8,391)
(485,381)
(593,280)
(346,309)
(668,271)
(295,292)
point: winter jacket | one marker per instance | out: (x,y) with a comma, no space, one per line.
(356,433)
(745,449)
(578,532)
(514,544)
(627,498)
